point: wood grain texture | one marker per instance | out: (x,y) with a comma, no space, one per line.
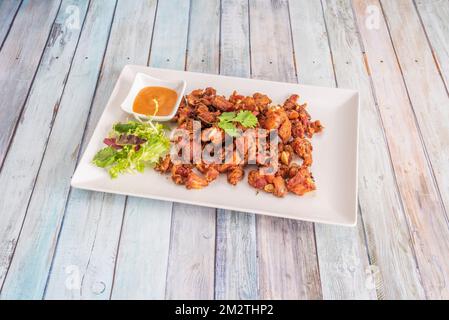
(236,256)
(190,272)
(421,198)
(31,262)
(168,49)
(22,163)
(435,15)
(143,253)
(96,256)
(290,273)
(85,256)
(342,253)
(235,52)
(236,275)
(192,248)
(21,53)
(8,10)
(388,237)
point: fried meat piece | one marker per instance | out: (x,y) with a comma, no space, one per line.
(194,181)
(274,117)
(291,102)
(261,100)
(303,148)
(213,134)
(179,173)
(210,171)
(205,115)
(302,182)
(280,189)
(314,127)
(235,174)
(222,104)
(285,130)
(164,165)
(256,180)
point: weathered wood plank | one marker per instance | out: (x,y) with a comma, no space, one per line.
(143,253)
(23,160)
(342,254)
(102,214)
(290,273)
(435,15)
(168,49)
(8,11)
(21,53)
(387,233)
(425,87)
(30,266)
(84,260)
(236,256)
(236,273)
(190,272)
(235,55)
(420,195)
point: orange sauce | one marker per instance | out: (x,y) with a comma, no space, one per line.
(144,103)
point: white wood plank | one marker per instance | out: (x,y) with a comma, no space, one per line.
(190,272)
(85,257)
(236,275)
(143,253)
(168,49)
(20,54)
(426,92)
(8,10)
(342,253)
(235,55)
(30,266)
(291,272)
(236,256)
(386,228)
(435,15)
(23,160)
(102,213)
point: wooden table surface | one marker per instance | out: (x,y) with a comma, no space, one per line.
(59,61)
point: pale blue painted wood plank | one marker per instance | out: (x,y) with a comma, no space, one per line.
(143,254)
(168,49)
(30,266)
(85,256)
(236,256)
(235,51)
(19,57)
(291,272)
(96,258)
(22,163)
(190,272)
(342,253)
(236,275)
(8,10)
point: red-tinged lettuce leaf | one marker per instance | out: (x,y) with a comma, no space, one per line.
(112,143)
(130,139)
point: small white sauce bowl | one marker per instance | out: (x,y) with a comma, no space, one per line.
(143,80)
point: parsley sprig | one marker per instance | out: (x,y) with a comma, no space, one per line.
(244,117)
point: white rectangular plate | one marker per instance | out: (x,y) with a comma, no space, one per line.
(335,153)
